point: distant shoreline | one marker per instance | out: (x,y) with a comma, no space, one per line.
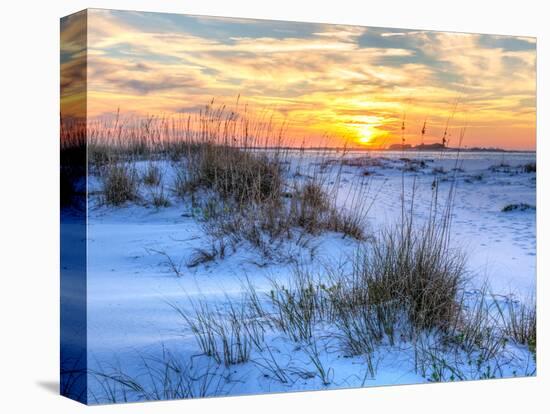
(411,149)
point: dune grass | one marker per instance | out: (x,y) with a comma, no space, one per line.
(119,182)
(233,170)
(163,377)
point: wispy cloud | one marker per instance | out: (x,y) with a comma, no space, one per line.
(325,79)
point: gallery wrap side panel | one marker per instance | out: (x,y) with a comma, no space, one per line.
(73,206)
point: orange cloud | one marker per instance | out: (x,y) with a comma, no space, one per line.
(345,82)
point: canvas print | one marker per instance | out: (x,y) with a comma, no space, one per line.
(254,206)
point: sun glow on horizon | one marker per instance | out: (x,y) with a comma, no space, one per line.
(368,130)
(368,135)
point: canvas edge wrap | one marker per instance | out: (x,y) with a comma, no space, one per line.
(73,207)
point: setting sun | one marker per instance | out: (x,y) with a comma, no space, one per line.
(368,135)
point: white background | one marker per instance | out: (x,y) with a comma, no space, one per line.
(29,236)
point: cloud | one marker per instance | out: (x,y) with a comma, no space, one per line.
(324,78)
(73,65)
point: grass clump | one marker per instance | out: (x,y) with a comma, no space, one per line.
(313,197)
(181,185)
(152,176)
(159,198)
(416,271)
(245,199)
(298,307)
(100,155)
(520,322)
(313,210)
(163,377)
(226,335)
(119,183)
(237,174)
(310,207)
(349,223)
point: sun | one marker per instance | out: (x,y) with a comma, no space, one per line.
(366,134)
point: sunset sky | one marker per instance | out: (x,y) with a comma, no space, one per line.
(345,82)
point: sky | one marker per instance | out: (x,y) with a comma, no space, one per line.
(330,84)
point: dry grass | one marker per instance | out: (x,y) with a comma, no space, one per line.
(520,321)
(155,378)
(236,174)
(226,335)
(416,269)
(152,176)
(235,162)
(119,183)
(159,198)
